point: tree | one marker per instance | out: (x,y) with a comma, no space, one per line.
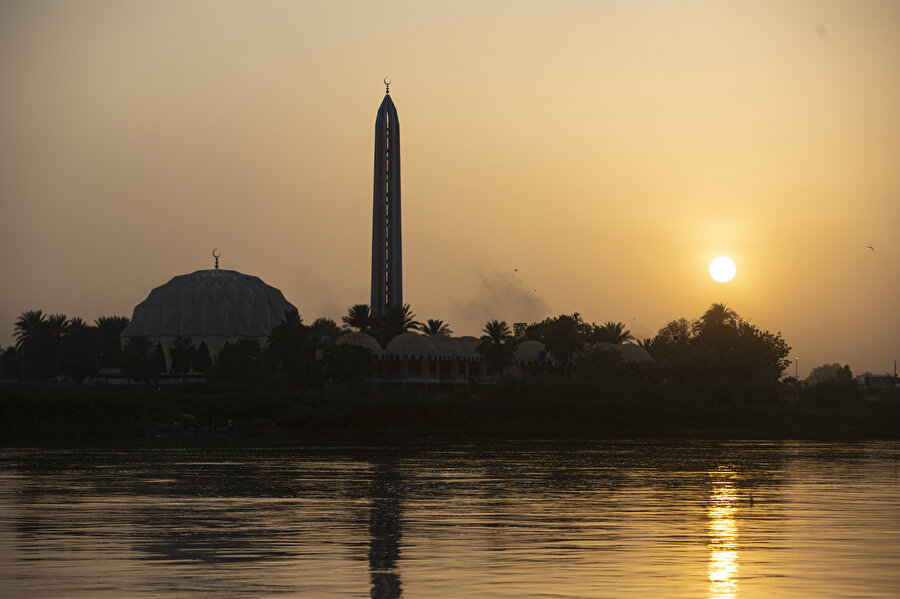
(359,317)
(58,324)
(78,349)
(827,372)
(498,344)
(35,344)
(830,385)
(677,332)
(10,363)
(721,346)
(139,358)
(241,362)
(756,355)
(324,331)
(290,343)
(610,332)
(718,315)
(597,364)
(394,321)
(673,337)
(564,336)
(109,345)
(182,355)
(28,327)
(434,327)
(348,363)
(520,331)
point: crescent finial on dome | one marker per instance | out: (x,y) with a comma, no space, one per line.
(216,256)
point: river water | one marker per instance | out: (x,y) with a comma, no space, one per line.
(518,519)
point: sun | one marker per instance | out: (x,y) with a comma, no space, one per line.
(722,269)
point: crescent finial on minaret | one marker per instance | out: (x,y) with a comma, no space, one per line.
(387,85)
(216,256)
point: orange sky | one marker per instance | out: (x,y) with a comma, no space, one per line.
(608,150)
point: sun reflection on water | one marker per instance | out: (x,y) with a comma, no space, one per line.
(723,548)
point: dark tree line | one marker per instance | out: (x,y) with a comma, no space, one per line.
(49,345)
(720,345)
(297,354)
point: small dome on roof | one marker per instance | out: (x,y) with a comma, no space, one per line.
(207,303)
(360,339)
(409,344)
(630,352)
(530,351)
(446,345)
(469,344)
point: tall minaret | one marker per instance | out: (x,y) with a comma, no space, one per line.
(387,258)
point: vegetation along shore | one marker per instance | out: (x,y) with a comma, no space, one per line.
(716,377)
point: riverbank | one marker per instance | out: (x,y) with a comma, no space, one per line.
(533,409)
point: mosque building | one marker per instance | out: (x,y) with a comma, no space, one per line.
(211,308)
(214,307)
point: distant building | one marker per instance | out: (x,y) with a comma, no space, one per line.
(630,352)
(211,308)
(444,361)
(880,381)
(387,258)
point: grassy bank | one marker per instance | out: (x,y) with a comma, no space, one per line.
(544,409)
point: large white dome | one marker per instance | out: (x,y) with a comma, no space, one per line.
(209,303)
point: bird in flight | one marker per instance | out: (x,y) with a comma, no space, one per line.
(871,248)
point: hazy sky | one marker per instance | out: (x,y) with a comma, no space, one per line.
(606,150)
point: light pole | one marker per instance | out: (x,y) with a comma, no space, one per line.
(797,369)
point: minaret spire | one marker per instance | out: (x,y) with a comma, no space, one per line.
(387,266)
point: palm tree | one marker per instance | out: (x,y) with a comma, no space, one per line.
(182,355)
(290,342)
(563,336)
(498,344)
(35,343)
(648,343)
(78,349)
(117,323)
(611,332)
(109,345)
(718,315)
(29,327)
(76,322)
(138,352)
(359,316)
(434,327)
(9,363)
(396,320)
(58,324)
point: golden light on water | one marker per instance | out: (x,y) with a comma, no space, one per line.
(723,547)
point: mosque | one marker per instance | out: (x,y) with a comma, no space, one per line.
(214,307)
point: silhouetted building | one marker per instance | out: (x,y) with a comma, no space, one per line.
(211,308)
(444,361)
(387,260)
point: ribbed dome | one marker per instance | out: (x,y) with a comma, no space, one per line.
(630,352)
(530,351)
(361,340)
(209,303)
(409,344)
(469,344)
(446,345)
